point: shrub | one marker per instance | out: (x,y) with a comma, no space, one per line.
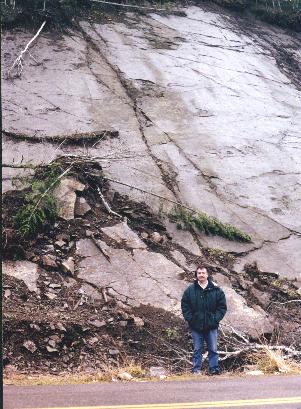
(207,224)
(30,13)
(39,206)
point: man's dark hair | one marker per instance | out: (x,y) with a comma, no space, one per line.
(200,267)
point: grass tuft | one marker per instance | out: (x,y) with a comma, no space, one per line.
(189,220)
(270,361)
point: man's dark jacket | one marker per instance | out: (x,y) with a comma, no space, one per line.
(203,309)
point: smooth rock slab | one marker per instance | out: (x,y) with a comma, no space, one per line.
(23,270)
(244,318)
(180,258)
(122,233)
(227,160)
(283,258)
(150,278)
(144,277)
(183,238)
(239,315)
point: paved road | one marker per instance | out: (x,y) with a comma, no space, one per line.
(283,392)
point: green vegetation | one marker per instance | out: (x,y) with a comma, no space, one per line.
(62,13)
(172,333)
(284,285)
(30,13)
(189,220)
(39,206)
(284,13)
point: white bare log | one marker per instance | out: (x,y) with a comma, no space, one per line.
(246,346)
(286,302)
(243,337)
(107,205)
(104,294)
(18,63)
(127,5)
(290,353)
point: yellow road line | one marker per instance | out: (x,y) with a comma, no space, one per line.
(197,405)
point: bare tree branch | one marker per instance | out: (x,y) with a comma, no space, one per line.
(18,63)
(70,138)
(107,205)
(127,5)
(151,193)
(286,302)
(19,166)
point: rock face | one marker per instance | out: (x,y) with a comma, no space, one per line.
(145,277)
(121,233)
(23,270)
(142,277)
(243,318)
(239,315)
(207,114)
(222,117)
(183,238)
(284,258)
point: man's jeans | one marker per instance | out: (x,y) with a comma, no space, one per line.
(198,338)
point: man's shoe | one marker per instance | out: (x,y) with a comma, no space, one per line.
(196,373)
(215,372)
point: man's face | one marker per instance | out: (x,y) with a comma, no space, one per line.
(202,275)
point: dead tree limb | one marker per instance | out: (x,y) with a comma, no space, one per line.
(107,205)
(150,193)
(284,303)
(18,63)
(70,139)
(110,3)
(19,166)
(242,345)
(104,294)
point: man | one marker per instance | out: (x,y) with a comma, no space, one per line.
(203,307)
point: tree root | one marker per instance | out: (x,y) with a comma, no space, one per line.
(86,137)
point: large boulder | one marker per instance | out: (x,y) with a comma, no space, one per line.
(65,195)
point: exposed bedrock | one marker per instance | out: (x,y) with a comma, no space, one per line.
(207,110)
